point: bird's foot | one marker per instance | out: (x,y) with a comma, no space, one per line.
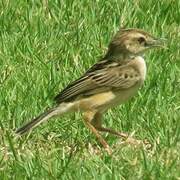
(139,143)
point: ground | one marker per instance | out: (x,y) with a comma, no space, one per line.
(44,45)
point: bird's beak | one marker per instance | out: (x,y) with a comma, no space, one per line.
(156,43)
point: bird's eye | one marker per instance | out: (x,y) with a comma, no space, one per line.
(141,40)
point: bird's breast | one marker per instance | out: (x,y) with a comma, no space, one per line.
(141,66)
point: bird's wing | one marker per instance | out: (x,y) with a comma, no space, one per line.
(101,77)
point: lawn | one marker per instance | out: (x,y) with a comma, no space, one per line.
(44,45)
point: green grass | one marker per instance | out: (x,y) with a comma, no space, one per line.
(44,46)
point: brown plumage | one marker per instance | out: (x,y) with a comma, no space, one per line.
(111,81)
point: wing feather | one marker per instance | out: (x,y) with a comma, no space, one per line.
(100,79)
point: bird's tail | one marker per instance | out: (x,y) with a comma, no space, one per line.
(58,110)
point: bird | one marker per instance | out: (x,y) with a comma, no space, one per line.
(111,81)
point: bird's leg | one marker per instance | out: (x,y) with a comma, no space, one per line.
(96,122)
(88,117)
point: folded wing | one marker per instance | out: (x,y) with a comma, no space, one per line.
(101,78)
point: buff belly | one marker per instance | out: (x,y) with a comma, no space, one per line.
(104,101)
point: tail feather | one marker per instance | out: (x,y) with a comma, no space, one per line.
(43,117)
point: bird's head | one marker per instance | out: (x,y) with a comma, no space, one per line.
(132,42)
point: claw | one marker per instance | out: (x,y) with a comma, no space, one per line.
(109,151)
